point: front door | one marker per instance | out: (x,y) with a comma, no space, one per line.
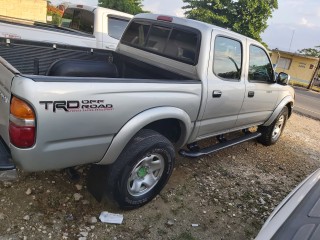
(226,85)
(261,90)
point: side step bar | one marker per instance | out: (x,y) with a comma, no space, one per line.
(7,168)
(219,146)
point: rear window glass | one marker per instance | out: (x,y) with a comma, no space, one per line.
(81,20)
(167,41)
(158,38)
(67,17)
(116,27)
(182,45)
(136,34)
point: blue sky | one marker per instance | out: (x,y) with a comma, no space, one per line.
(294,18)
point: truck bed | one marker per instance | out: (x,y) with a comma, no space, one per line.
(35,58)
(31,57)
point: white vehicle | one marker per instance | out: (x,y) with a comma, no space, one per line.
(83,26)
(298,215)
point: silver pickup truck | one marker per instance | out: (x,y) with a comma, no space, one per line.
(170,83)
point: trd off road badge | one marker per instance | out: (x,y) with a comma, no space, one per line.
(77,106)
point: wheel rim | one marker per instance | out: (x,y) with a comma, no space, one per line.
(145,174)
(278,127)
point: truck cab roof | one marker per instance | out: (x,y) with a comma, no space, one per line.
(201,26)
(179,44)
(101,10)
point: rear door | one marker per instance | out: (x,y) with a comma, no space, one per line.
(226,85)
(261,90)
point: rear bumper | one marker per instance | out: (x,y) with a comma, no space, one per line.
(7,168)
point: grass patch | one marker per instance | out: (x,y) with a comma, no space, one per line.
(304,85)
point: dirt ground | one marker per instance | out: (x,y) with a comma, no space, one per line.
(228,195)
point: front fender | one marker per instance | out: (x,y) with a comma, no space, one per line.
(140,121)
(276,112)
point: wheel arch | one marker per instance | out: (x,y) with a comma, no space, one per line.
(157,119)
(290,108)
(286,102)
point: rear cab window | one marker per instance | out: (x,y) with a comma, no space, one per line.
(169,40)
(78,19)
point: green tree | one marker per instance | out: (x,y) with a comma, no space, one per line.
(312,52)
(248,17)
(128,6)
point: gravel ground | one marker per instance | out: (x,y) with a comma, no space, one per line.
(227,195)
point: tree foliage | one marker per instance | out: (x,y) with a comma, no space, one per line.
(55,13)
(128,6)
(247,17)
(312,52)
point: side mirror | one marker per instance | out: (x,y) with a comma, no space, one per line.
(283,78)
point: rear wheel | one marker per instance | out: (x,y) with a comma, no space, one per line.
(141,170)
(271,134)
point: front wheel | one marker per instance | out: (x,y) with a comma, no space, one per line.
(141,170)
(271,134)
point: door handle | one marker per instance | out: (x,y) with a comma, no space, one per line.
(250,94)
(216,93)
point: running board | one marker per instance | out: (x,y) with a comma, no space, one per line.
(219,146)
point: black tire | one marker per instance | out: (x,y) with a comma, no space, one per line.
(149,148)
(271,134)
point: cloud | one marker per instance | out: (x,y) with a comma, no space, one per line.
(304,22)
(179,12)
(168,7)
(291,2)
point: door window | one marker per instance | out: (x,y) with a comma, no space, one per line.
(227,60)
(260,67)
(116,27)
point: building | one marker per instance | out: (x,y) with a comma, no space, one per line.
(301,68)
(35,10)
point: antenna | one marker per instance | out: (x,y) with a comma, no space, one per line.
(291,39)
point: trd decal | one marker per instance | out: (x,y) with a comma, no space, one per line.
(77,106)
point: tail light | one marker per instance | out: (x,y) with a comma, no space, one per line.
(22,124)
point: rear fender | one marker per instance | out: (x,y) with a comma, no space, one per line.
(141,120)
(276,112)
